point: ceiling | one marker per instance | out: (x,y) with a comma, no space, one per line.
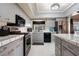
(43,10)
(46,7)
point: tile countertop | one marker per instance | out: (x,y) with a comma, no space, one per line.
(7,39)
(71,38)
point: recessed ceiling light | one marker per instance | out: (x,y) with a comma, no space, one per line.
(55,6)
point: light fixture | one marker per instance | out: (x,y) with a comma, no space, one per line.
(55,6)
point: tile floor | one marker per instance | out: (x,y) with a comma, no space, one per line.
(48,49)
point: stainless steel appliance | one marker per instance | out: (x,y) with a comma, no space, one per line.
(27,44)
(39,25)
(47,37)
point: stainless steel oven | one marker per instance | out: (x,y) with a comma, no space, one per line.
(27,44)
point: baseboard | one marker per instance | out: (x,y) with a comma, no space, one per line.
(38,44)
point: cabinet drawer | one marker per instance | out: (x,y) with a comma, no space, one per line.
(57,51)
(57,45)
(66,52)
(73,48)
(58,40)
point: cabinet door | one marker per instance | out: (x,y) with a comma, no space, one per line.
(58,47)
(73,48)
(19,48)
(12,49)
(66,52)
(6,49)
(57,51)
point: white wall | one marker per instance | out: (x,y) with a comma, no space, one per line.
(8,10)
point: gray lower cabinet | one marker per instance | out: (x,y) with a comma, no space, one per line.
(11,53)
(37,37)
(57,51)
(65,48)
(14,48)
(73,49)
(19,50)
(57,46)
(67,52)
